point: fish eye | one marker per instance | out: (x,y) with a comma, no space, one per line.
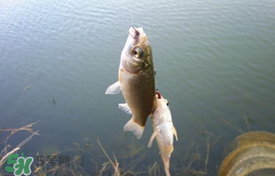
(137,52)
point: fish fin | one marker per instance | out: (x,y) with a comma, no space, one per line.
(152,138)
(125,108)
(113,89)
(134,127)
(175,132)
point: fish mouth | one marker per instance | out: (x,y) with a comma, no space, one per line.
(158,94)
(138,34)
(134,32)
(138,40)
(138,37)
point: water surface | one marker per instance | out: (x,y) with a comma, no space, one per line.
(213,59)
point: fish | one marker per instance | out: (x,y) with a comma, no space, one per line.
(52,100)
(164,130)
(26,88)
(136,81)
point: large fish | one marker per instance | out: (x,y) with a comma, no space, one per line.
(136,80)
(164,131)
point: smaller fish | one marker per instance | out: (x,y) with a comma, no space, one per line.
(26,88)
(52,100)
(164,131)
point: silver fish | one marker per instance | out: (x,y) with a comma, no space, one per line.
(136,80)
(164,131)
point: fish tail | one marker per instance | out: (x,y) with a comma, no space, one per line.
(167,172)
(134,127)
(166,163)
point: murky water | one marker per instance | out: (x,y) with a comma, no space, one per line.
(214,59)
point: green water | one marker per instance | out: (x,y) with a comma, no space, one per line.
(213,58)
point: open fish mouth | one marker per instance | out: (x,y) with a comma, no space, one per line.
(134,32)
(138,34)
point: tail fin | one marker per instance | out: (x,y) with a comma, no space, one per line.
(134,127)
(166,163)
(167,172)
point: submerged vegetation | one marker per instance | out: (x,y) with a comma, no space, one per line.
(8,149)
(126,158)
(128,165)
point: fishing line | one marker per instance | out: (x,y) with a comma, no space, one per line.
(132,18)
(156,83)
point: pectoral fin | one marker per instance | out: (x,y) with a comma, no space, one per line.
(113,89)
(175,132)
(134,127)
(125,108)
(152,138)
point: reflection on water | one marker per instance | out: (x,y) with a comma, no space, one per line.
(214,61)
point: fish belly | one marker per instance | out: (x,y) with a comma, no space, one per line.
(139,92)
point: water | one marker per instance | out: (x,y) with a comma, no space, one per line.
(212,58)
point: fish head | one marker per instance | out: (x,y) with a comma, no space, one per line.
(161,101)
(161,117)
(136,55)
(163,104)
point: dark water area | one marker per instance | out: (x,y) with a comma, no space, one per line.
(214,61)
